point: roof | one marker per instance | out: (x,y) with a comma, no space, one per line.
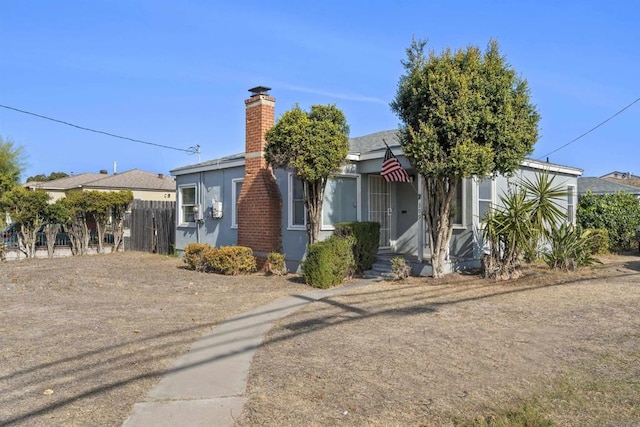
(67,183)
(133,179)
(364,147)
(374,142)
(620,175)
(603,186)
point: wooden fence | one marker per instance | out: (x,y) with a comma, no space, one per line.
(152,227)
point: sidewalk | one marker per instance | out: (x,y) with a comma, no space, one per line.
(206,385)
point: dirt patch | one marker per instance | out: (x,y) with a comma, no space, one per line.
(84,338)
(458,350)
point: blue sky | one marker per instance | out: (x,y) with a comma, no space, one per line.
(177,73)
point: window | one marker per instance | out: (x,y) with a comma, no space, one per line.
(187,203)
(571,206)
(297,212)
(457,206)
(340,202)
(236,187)
(485,197)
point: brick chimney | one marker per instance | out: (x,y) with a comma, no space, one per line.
(260,202)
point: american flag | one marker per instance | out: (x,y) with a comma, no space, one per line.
(392,170)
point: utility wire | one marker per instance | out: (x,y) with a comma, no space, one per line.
(191,150)
(589,131)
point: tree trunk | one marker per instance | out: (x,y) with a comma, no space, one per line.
(313,196)
(439,195)
(51,231)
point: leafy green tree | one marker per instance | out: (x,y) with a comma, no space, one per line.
(11,164)
(120,202)
(77,224)
(43,178)
(28,209)
(55,215)
(464,113)
(617,213)
(314,145)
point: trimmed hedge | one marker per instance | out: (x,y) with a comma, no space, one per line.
(329,262)
(229,260)
(367,239)
(275,264)
(194,256)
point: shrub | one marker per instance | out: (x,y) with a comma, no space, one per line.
(617,213)
(194,256)
(276,264)
(400,268)
(231,260)
(367,239)
(569,248)
(328,262)
(599,240)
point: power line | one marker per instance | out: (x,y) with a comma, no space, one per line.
(589,131)
(190,150)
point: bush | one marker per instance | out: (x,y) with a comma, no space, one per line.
(194,256)
(231,260)
(617,213)
(599,240)
(569,249)
(400,268)
(275,264)
(367,239)
(329,262)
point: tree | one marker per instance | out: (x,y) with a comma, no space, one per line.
(463,114)
(42,177)
(11,164)
(28,209)
(314,145)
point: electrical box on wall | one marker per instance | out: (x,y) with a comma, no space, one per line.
(216,209)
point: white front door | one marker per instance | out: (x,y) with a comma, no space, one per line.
(380,208)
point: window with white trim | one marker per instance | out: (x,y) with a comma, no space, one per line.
(296,210)
(485,197)
(571,204)
(187,203)
(458,205)
(340,203)
(236,187)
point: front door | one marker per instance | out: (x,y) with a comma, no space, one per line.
(380,208)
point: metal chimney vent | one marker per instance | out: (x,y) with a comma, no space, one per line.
(259,90)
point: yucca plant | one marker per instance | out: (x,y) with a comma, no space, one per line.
(547,212)
(570,249)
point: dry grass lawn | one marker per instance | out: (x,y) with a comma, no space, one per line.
(85,338)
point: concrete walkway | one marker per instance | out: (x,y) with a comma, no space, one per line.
(206,386)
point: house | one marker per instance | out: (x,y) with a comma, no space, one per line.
(144,185)
(238,200)
(626,178)
(601,186)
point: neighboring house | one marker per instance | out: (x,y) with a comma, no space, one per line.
(601,186)
(626,178)
(144,185)
(237,200)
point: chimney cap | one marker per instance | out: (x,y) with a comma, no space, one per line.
(259,90)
